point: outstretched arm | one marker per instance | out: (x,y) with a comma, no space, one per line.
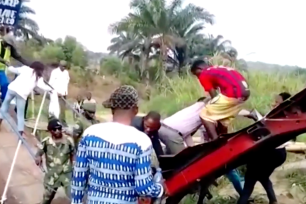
(18,57)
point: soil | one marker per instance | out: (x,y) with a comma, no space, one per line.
(11,199)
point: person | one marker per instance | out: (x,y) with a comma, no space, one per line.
(150,125)
(59,80)
(8,49)
(228,90)
(58,150)
(89,112)
(183,124)
(26,104)
(180,127)
(113,158)
(28,78)
(89,98)
(263,164)
(77,106)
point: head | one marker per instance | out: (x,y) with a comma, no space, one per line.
(79,98)
(151,122)
(123,102)
(88,95)
(4,30)
(63,65)
(38,68)
(89,110)
(280,98)
(55,128)
(198,66)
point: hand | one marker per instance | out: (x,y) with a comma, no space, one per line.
(166,193)
(38,160)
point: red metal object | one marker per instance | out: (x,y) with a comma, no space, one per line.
(278,129)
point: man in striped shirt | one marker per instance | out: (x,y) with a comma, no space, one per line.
(228,90)
(114,159)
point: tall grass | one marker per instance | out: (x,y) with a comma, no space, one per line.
(177,93)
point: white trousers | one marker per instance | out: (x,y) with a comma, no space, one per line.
(54,108)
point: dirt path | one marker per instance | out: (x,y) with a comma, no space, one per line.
(286,194)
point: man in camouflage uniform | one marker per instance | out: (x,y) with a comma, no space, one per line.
(59,151)
(89,112)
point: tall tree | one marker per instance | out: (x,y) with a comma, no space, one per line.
(26,26)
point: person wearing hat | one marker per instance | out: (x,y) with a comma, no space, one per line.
(89,112)
(59,152)
(8,49)
(59,80)
(114,159)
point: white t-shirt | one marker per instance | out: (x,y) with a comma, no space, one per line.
(59,80)
(26,81)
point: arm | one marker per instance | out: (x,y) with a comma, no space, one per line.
(72,150)
(144,184)
(80,174)
(17,57)
(41,149)
(41,84)
(156,145)
(206,82)
(14,70)
(52,78)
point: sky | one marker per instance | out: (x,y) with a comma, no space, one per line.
(268,31)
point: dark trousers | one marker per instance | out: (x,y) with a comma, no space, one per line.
(62,104)
(261,171)
(25,108)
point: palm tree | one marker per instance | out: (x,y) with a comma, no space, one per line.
(156,23)
(27,27)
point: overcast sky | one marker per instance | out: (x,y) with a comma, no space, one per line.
(272,30)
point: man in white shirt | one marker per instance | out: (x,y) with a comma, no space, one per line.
(180,127)
(59,80)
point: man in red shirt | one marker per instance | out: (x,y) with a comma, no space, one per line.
(228,90)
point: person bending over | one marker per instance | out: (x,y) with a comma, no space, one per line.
(150,125)
(228,90)
(28,78)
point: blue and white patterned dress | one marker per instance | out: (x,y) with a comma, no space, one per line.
(114,163)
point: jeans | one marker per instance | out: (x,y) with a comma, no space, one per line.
(20,104)
(235,179)
(3,84)
(25,108)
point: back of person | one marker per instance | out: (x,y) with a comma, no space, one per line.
(25,82)
(230,82)
(187,119)
(113,157)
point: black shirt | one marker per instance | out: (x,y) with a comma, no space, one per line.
(137,122)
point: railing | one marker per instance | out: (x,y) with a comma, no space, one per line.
(21,140)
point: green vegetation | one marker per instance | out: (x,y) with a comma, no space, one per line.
(152,50)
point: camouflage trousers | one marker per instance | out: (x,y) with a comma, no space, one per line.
(64,180)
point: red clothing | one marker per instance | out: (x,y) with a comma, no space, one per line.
(228,80)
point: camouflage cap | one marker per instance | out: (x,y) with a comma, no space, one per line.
(125,97)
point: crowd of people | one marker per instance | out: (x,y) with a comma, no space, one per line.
(110,162)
